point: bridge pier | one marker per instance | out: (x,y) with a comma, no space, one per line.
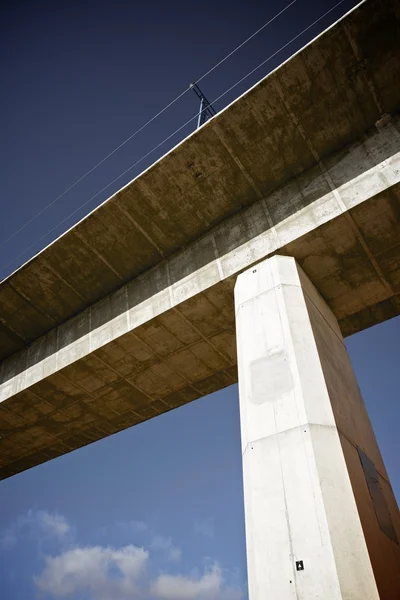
(321,517)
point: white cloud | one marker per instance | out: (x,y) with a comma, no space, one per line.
(53,524)
(170,551)
(105,573)
(127,572)
(38,524)
(204,527)
(148,537)
(210,586)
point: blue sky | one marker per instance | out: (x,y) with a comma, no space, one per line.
(156,511)
(170,488)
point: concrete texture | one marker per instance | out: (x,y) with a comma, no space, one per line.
(303,425)
(321,100)
(167,336)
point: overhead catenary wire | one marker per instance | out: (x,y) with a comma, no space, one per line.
(140,129)
(270,57)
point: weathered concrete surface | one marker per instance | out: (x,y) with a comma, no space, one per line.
(325,97)
(168,335)
(303,423)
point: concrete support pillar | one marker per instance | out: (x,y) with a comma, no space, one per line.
(321,518)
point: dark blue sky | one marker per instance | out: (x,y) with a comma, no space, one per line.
(77,79)
(80,77)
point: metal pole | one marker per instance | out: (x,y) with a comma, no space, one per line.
(199,119)
(206,109)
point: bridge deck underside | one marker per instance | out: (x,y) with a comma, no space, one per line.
(306,163)
(189,351)
(322,99)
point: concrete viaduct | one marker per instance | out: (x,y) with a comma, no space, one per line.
(245,254)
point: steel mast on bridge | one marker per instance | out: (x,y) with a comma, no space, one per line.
(206,109)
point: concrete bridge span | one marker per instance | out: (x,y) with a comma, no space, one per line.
(291,194)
